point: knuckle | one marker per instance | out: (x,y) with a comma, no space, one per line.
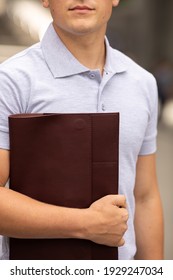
(124,200)
(125,227)
(121,242)
(125,214)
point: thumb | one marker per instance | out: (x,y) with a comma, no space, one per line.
(117,200)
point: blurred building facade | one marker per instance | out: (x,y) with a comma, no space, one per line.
(140,28)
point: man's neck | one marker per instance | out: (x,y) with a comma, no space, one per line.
(89,50)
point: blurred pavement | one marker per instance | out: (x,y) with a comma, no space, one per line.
(165,178)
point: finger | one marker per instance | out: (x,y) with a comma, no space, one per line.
(125,228)
(121,242)
(125,214)
(118,200)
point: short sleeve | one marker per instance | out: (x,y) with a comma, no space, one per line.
(149,144)
(5,110)
(9,104)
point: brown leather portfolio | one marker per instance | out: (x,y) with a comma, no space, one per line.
(68,160)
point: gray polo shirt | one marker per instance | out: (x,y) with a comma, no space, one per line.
(48,78)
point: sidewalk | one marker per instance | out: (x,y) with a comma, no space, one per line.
(165,178)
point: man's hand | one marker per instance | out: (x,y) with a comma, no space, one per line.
(108,220)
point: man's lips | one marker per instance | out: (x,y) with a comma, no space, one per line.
(81,8)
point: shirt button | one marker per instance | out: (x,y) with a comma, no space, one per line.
(103,107)
(92,76)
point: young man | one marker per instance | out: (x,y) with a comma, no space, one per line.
(74,70)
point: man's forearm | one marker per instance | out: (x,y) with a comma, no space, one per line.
(23,217)
(149,228)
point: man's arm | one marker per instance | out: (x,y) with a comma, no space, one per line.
(148,215)
(104,222)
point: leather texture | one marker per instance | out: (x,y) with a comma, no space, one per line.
(68,160)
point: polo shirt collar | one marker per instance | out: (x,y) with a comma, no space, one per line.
(114,60)
(62,63)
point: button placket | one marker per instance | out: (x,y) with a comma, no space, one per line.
(103,107)
(92,75)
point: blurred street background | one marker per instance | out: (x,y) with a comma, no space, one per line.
(141,29)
